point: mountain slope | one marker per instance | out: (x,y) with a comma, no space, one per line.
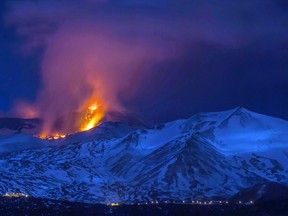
(207,155)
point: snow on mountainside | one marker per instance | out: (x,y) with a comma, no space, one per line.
(208,155)
(270,191)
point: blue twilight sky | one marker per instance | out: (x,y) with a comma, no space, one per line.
(19,75)
(224,53)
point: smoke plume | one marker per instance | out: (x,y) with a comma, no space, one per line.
(102,50)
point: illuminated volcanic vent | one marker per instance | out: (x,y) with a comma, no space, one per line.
(92,116)
(87,118)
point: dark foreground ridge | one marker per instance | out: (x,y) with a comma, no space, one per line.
(37,206)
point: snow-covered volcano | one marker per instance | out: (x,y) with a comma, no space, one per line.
(208,155)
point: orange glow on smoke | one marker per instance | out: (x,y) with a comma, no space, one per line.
(25,110)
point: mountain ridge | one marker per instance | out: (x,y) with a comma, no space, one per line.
(183,159)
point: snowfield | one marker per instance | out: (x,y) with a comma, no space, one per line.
(208,155)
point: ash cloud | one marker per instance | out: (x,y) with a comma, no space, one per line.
(113,50)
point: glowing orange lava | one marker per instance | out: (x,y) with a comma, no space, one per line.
(55,136)
(93,106)
(91,116)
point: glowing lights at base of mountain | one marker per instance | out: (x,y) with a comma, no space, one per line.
(15,195)
(197,202)
(114,204)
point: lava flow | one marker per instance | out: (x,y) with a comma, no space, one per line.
(90,117)
(53,137)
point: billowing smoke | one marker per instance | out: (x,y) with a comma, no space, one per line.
(84,59)
(97,50)
(88,64)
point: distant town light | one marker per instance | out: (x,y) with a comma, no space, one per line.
(15,195)
(114,204)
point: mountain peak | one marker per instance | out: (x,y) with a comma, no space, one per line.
(241,112)
(240,109)
(240,116)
